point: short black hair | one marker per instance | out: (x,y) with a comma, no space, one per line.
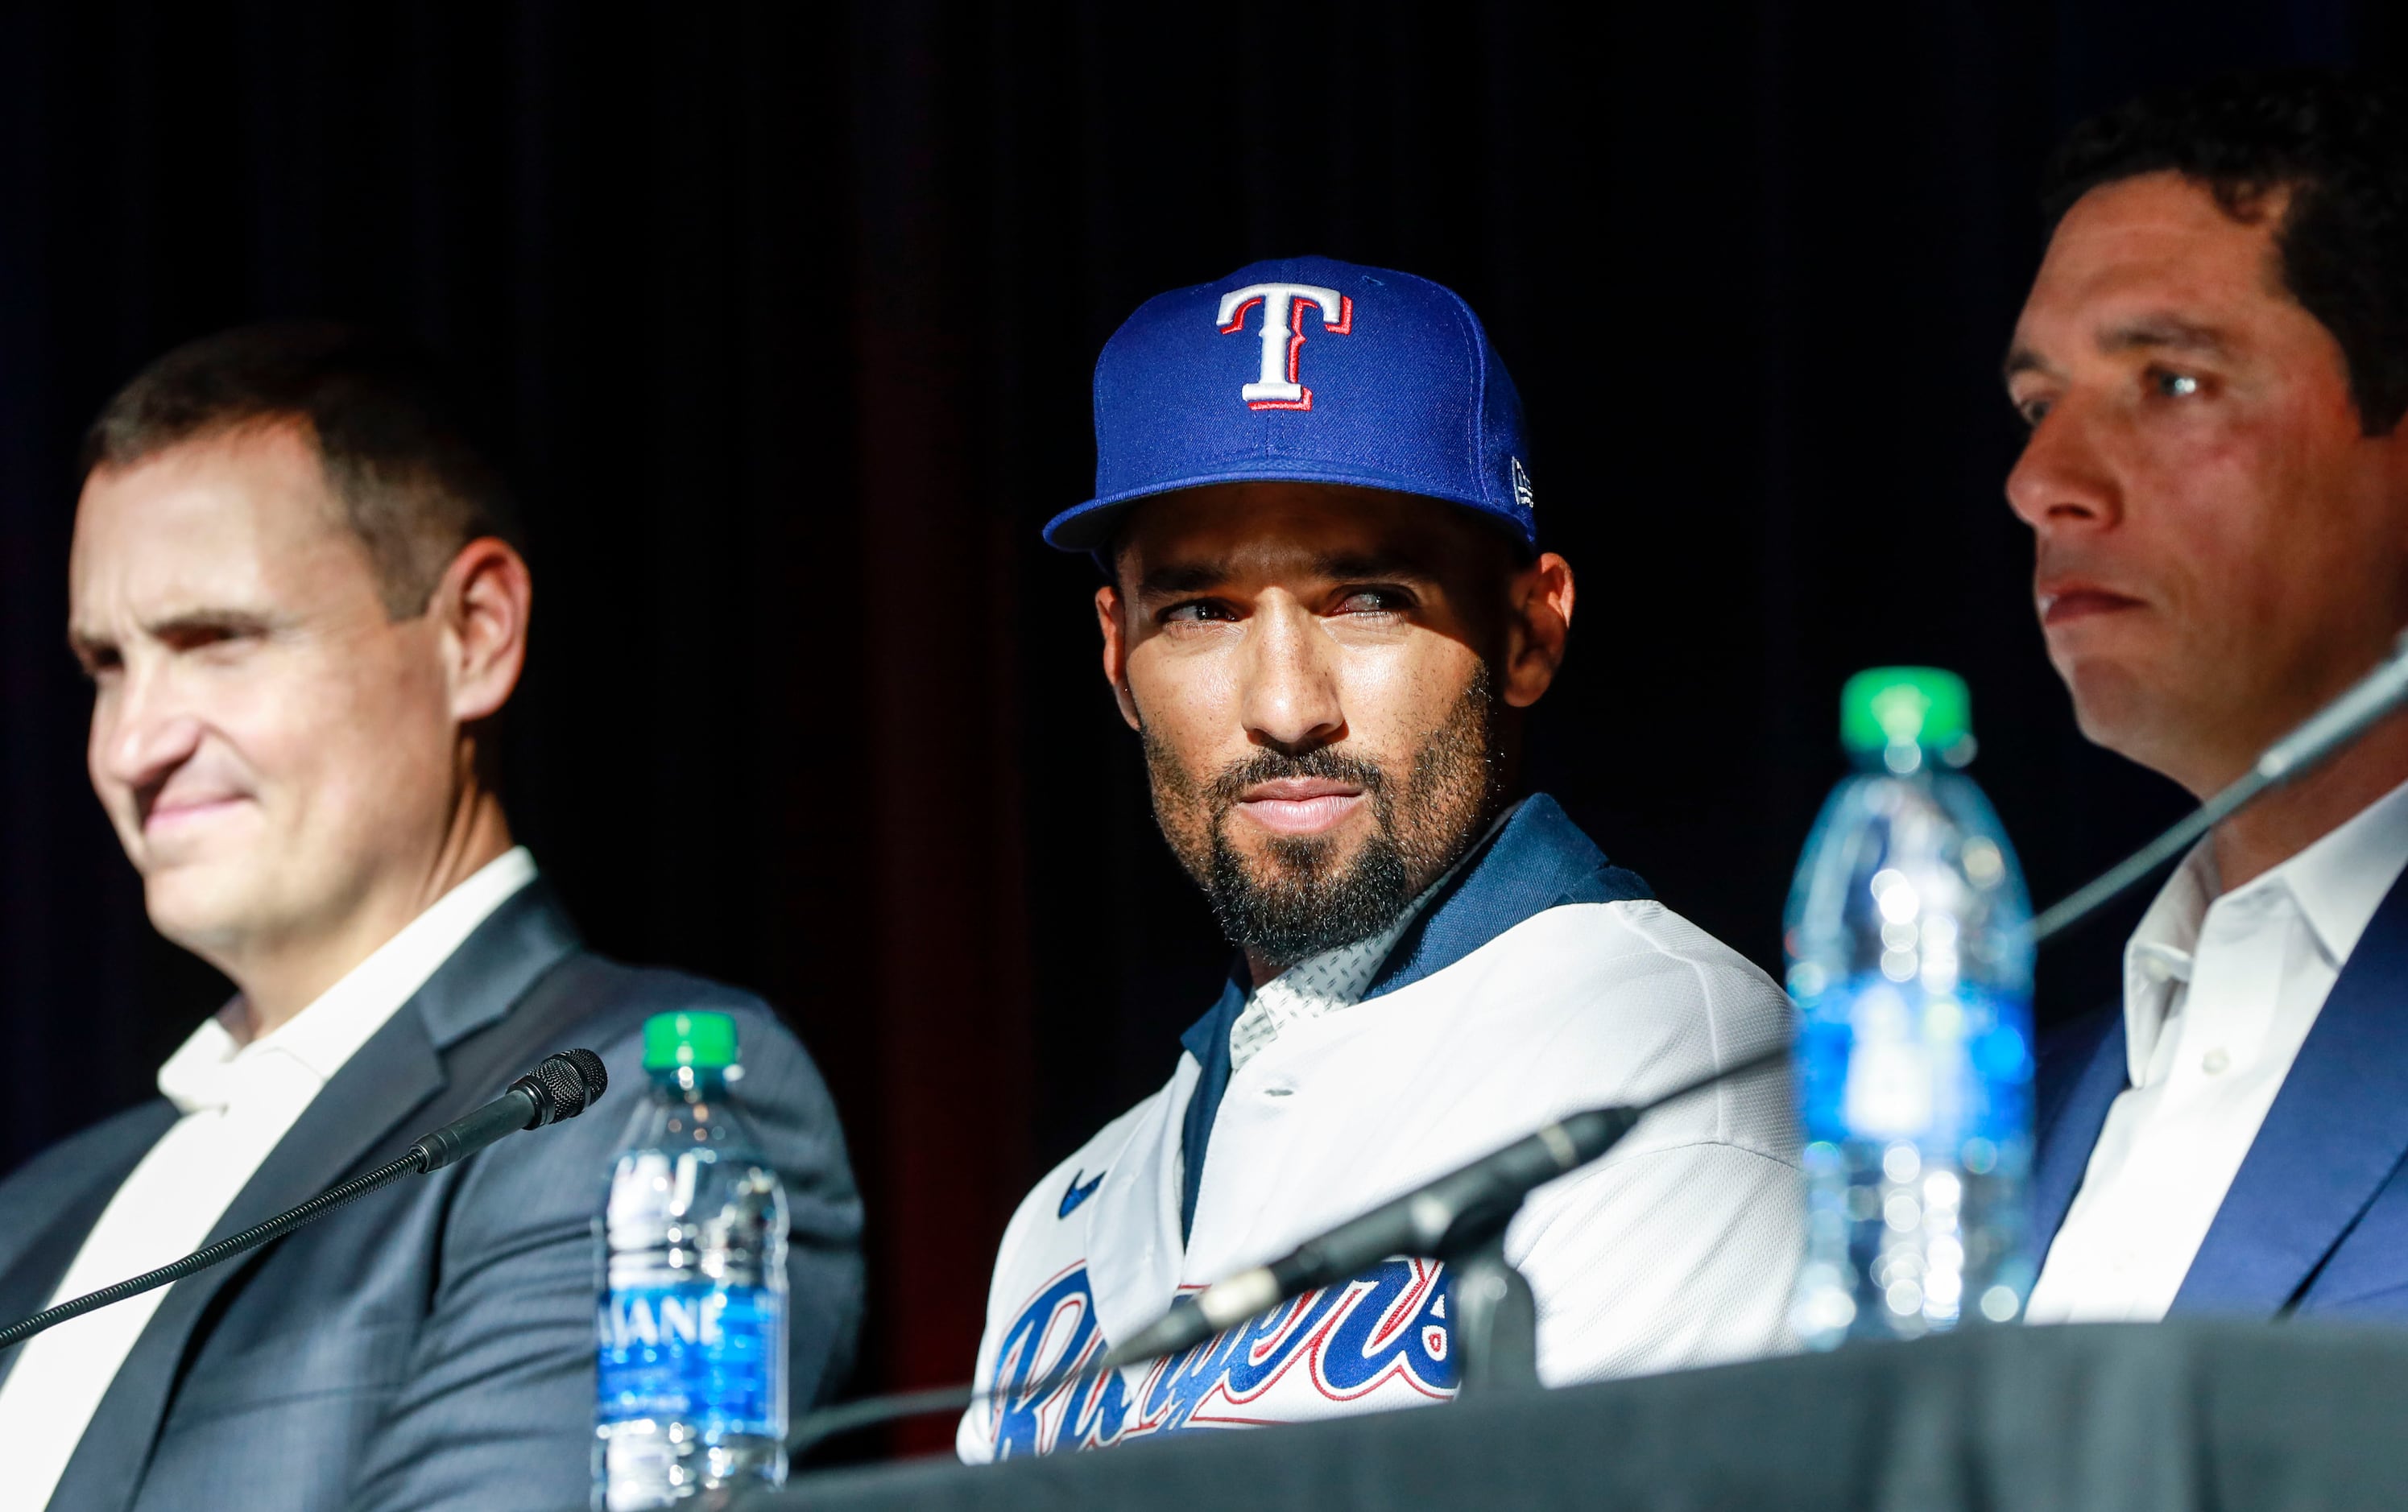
(2337,143)
(413,487)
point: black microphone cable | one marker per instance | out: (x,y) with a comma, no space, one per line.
(564,1086)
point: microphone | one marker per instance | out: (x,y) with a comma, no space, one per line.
(564,1086)
(1472,1200)
(1461,1207)
(1464,1206)
(2359,707)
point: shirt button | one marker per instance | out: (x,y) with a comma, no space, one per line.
(2214,1062)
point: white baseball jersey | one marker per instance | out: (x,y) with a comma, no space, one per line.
(1678,1249)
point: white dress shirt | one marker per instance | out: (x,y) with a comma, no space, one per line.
(2219,992)
(237,1101)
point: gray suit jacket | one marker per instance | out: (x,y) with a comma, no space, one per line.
(430,1345)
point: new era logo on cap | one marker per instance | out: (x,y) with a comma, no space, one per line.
(1409,397)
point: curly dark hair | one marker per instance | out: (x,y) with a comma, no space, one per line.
(2336,142)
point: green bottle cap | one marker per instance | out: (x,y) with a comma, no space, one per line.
(1888,707)
(706,1041)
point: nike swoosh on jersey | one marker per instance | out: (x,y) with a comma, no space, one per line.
(1078,1193)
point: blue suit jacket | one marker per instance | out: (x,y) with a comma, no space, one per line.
(2316,1220)
(432,1345)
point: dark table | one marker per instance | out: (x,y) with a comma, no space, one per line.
(2129,1418)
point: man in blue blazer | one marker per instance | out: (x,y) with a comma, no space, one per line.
(296,590)
(2214,363)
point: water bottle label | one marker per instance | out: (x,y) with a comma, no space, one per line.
(1878,1061)
(702,1354)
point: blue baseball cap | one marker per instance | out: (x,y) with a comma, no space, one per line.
(1310,370)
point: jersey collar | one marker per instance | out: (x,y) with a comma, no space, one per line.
(1537,860)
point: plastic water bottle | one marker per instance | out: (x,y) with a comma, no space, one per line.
(1909,957)
(691,1327)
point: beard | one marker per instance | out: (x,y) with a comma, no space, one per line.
(1299,897)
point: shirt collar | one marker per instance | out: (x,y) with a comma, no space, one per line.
(1338,976)
(2343,878)
(2158,954)
(1316,987)
(326,1034)
(1535,859)
(2336,885)
(1342,976)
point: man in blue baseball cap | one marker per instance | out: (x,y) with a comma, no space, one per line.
(1327,618)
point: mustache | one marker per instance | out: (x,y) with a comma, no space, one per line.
(2073,561)
(1324,762)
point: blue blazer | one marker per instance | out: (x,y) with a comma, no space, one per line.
(432,1345)
(2316,1220)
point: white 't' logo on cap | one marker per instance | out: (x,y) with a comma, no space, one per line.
(1283,306)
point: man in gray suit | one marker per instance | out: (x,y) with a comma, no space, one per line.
(295,587)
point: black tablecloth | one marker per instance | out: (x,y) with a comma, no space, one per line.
(2129,1418)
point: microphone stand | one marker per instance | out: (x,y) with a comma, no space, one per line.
(1496,1321)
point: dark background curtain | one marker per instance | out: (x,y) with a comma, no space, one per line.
(783,317)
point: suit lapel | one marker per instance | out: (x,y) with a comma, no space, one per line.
(2335,1134)
(394,1073)
(368,1105)
(2068,1129)
(29,1277)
